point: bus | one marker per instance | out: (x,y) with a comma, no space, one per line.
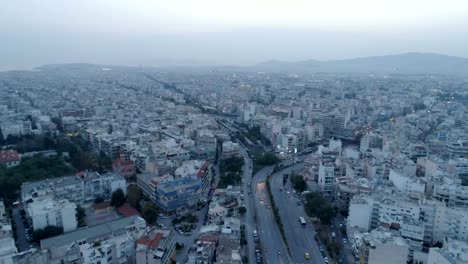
(302,221)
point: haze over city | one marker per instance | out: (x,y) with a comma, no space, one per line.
(240,132)
(209,32)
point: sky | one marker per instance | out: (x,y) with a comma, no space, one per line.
(232,32)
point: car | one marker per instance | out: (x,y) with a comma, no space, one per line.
(279,251)
(268,206)
(288,192)
(306,255)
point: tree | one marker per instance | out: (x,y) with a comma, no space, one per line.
(80,216)
(118,198)
(150,213)
(242,210)
(2,139)
(46,232)
(298,183)
(134,196)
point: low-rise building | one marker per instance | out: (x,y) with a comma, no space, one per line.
(51,212)
(117,238)
(124,167)
(178,195)
(79,189)
(155,247)
(230,149)
(9,158)
(452,251)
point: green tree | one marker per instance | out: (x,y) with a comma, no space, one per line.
(298,183)
(317,206)
(46,232)
(134,196)
(242,210)
(118,198)
(150,213)
(80,216)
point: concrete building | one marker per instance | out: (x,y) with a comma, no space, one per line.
(79,189)
(199,169)
(112,242)
(155,247)
(326,177)
(405,183)
(179,195)
(50,212)
(452,251)
(230,149)
(9,158)
(7,244)
(457,149)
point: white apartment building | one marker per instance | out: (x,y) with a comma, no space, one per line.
(452,195)
(458,167)
(453,251)
(371,141)
(430,221)
(457,149)
(51,212)
(78,189)
(405,183)
(326,177)
(230,149)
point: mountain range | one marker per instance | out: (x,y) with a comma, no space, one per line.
(406,63)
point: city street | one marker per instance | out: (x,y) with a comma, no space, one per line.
(23,243)
(187,240)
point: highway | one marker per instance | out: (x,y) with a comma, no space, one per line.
(300,238)
(273,247)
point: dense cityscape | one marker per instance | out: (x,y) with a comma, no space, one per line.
(113,164)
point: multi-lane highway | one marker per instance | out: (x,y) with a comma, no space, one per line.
(300,238)
(273,246)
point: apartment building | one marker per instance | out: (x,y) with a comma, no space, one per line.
(230,149)
(51,212)
(326,177)
(452,251)
(112,242)
(155,247)
(179,195)
(82,188)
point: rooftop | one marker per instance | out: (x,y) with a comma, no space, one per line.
(91,232)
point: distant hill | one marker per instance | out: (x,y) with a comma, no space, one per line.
(407,63)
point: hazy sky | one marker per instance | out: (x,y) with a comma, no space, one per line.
(35,32)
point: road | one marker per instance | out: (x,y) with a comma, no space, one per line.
(268,231)
(188,241)
(346,253)
(300,238)
(249,218)
(23,243)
